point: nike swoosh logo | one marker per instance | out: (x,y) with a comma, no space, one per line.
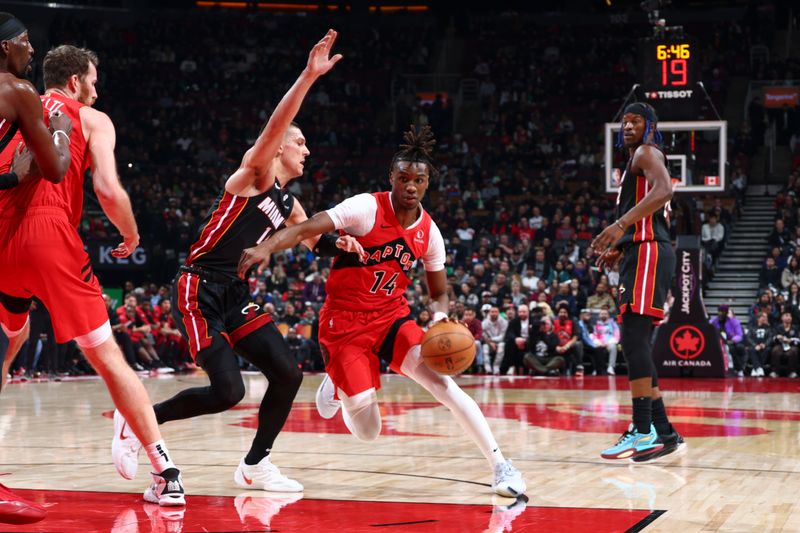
(122,431)
(246,480)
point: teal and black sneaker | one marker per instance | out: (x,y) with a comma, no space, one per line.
(672,441)
(633,443)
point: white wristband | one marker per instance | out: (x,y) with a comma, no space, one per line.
(438,315)
(64,133)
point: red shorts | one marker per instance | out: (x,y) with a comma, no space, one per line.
(355,340)
(44,257)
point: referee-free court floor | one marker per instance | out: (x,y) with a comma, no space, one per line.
(740,471)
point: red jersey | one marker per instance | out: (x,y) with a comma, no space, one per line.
(67,195)
(381,281)
(564,331)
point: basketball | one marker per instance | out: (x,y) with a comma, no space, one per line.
(448,348)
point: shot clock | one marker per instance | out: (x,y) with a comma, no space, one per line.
(668,77)
(673,58)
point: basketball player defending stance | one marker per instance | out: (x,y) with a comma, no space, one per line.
(21,112)
(212,306)
(43,256)
(641,237)
(366,312)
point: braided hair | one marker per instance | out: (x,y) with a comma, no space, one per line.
(417,148)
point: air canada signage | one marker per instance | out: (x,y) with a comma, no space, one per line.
(686,344)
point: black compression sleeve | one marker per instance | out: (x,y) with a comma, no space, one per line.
(8,180)
(326,246)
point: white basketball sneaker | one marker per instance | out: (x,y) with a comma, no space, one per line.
(166,489)
(124,448)
(264,476)
(327,407)
(508,480)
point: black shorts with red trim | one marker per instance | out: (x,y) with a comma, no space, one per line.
(206,303)
(645,276)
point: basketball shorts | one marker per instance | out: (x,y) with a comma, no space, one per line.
(356,341)
(45,257)
(645,275)
(206,303)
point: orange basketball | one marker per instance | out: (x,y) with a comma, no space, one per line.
(448,348)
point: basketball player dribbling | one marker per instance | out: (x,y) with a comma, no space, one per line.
(212,306)
(366,314)
(640,237)
(21,111)
(42,255)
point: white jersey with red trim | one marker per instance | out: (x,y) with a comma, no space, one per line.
(381,281)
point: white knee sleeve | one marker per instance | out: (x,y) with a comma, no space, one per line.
(361,414)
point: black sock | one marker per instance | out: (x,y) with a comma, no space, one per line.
(660,420)
(642,414)
(254,457)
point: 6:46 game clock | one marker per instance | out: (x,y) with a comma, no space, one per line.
(668,77)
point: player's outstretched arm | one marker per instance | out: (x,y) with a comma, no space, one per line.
(298,216)
(258,158)
(324,245)
(286,238)
(50,151)
(112,196)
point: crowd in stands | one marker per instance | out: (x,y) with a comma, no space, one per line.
(518,200)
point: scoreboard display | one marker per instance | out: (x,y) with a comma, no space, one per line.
(668,77)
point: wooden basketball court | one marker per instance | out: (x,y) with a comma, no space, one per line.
(740,471)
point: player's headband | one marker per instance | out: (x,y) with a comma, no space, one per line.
(646,111)
(11,28)
(650,121)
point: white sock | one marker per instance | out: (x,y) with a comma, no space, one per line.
(159,456)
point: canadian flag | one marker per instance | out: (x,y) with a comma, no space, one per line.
(712,181)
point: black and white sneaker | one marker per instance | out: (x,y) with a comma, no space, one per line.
(166,489)
(673,442)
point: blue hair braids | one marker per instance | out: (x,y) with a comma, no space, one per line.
(657,137)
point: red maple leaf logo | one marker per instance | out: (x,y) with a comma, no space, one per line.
(686,343)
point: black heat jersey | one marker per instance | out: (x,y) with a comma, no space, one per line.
(235,223)
(651,228)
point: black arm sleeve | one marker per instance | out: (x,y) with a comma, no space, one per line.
(8,180)
(326,246)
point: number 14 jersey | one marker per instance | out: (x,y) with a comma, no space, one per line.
(380,281)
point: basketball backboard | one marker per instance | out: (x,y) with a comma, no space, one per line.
(696,155)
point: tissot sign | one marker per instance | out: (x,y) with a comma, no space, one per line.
(686,344)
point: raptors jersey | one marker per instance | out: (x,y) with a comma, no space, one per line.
(650,228)
(238,222)
(67,195)
(381,280)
